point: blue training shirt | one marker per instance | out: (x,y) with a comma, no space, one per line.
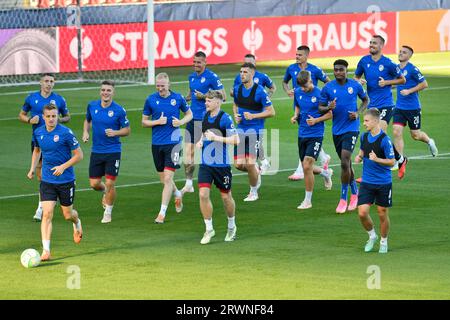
(259,78)
(56,147)
(294,69)
(112,117)
(203,83)
(373,172)
(346,100)
(154,106)
(384,68)
(214,153)
(308,103)
(35,104)
(262,97)
(413,78)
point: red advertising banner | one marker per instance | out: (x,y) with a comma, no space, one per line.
(124,46)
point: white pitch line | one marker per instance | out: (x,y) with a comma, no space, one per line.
(420,157)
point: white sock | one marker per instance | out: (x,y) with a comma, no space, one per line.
(163,210)
(253,190)
(372,234)
(208,224)
(46,245)
(401,159)
(383,241)
(188,183)
(322,156)
(299,170)
(78,224)
(325,173)
(308,196)
(177,193)
(231,222)
(108,209)
(39,205)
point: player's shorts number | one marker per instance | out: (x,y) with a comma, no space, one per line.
(416,120)
(316,146)
(383,113)
(226,180)
(355,137)
(176,157)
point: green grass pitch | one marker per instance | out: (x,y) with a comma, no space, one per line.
(280,253)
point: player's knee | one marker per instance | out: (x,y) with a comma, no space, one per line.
(307,165)
(109,184)
(96,184)
(204,194)
(239,166)
(415,134)
(397,131)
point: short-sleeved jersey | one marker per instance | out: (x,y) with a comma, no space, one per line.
(113,117)
(308,103)
(294,69)
(373,172)
(372,71)
(203,83)
(154,106)
(56,147)
(261,97)
(214,153)
(259,78)
(346,101)
(413,78)
(35,104)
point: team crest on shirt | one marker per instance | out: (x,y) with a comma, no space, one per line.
(405,72)
(55,138)
(381,67)
(256,80)
(96,111)
(368,65)
(350,90)
(157,101)
(53,102)
(42,137)
(334,91)
(36,101)
(313,99)
(203,79)
(110,113)
(173,102)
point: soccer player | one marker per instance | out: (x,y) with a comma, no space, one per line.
(164,108)
(341,96)
(60,152)
(380,74)
(310,133)
(109,122)
(200,81)
(34,105)
(251,106)
(407,109)
(301,63)
(218,131)
(263,80)
(377,155)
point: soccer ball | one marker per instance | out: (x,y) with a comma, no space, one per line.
(30,258)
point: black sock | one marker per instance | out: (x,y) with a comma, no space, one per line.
(396,154)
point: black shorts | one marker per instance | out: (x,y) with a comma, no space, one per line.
(346,141)
(104,164)
(167,156)
(386,113)
(381,194)
(411,117)
(248,146)
(193,132)
(221,176)
(65,192)
(309,147)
